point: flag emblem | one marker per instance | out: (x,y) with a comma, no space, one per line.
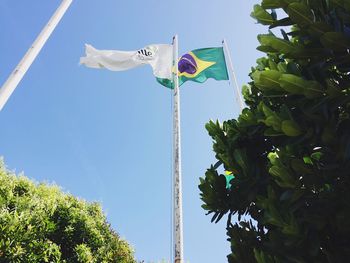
(198,65)
(187,64)
(190,65)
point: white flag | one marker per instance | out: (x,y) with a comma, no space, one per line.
(160,57)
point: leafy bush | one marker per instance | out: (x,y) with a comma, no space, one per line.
(289,150)
(40,223)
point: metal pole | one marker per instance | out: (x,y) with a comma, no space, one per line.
(232,74)
(178,234)
(22,67)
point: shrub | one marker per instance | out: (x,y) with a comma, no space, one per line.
(40,223)
(289,150)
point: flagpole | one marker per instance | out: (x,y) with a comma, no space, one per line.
(22,67)
(232,75)
(177,228)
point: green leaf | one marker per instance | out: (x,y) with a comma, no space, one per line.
(214,128)
(247,118)
(266,49)
(291,128)
(271,132)
(267,80)
(272,65)
(274,122)
(291,228)
(319,28)
(241,159)
(278,44)
(270,4)
(261,15)
(266,110)
(300,14)
(316,156)
(282,22)
(273,158)
(282,176)
(307,160)
(313,90)
(274,4)
(292,83)
(297,85)
(282,67)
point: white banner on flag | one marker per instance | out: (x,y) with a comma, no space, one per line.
(159,56)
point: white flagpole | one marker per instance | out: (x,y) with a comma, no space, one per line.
(177,228)
(232,75)
(22,67)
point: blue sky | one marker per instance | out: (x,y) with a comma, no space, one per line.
(106,136)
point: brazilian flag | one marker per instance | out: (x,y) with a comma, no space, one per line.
(199,65)
(229,176)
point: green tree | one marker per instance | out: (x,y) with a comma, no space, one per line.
(40,223)
(289,150)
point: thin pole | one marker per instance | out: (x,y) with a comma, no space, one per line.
(178,234)
(232,74)
(22,67)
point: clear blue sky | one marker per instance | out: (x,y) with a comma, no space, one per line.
(106,136)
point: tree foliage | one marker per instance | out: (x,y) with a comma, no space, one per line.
(40,223)
(290,148)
